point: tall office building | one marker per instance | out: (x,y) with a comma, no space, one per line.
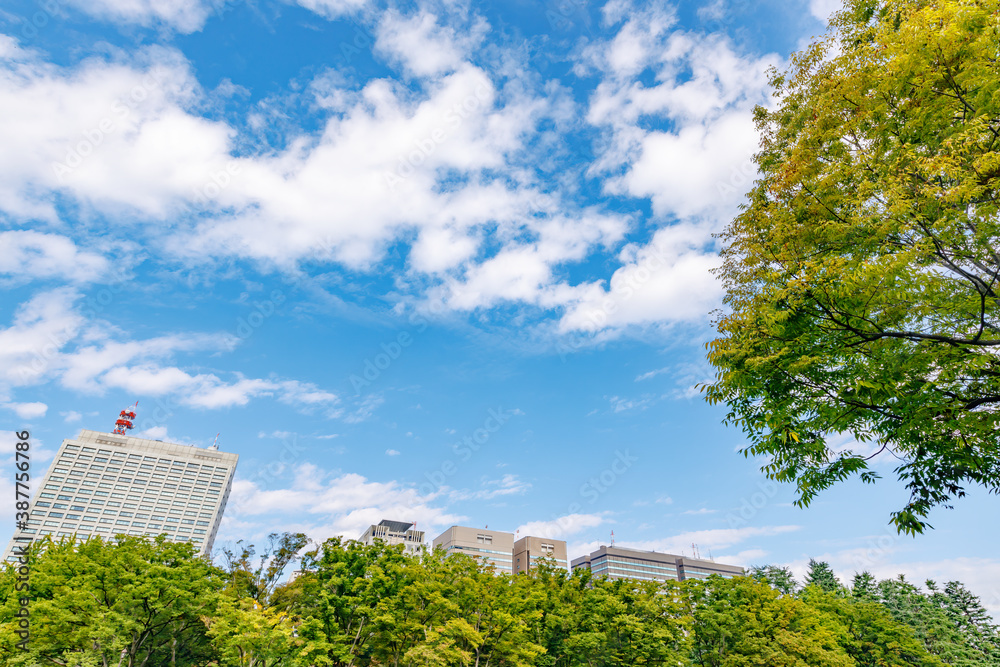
(492,547)
(529,550)
(395,532)
(622,563)
(105,484)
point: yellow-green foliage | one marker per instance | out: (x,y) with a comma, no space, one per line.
(862,276)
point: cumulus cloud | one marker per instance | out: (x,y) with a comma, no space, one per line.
(28,410)
(50,340)
(185,16)
(329,504)
(27,255)
(443,156)
(31,345)
(423,45)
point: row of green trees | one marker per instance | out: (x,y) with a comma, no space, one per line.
(139,603)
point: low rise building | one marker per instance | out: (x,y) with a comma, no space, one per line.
(529,550)
(493,547)
(624,563)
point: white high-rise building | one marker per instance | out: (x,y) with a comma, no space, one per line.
(107,484)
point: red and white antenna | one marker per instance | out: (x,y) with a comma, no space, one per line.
(215,444)
(612,538)
(125,418)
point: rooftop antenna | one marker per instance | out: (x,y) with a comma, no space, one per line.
(215,444)
(125,418)
(612,538)
(694,550)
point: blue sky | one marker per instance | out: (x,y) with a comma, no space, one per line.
(434,261)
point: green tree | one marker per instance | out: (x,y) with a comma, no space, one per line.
(864,586)
(940,635)
(821,575)
(780,579)
(967,614)
(125,602)
(247,634)
(627,623)
(862,276)
(259,581)
(739,621)
(867,632)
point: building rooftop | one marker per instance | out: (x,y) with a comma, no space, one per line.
(396,526)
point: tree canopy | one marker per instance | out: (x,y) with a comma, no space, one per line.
(862,275)
(136,603)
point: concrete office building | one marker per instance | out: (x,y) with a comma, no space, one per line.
(493,547)
(622,563)
(105,484)
(528,550)
(395,532)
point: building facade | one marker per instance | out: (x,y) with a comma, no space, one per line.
(493,547)
(395,532)
(529,550)
(622,563)
(106,484)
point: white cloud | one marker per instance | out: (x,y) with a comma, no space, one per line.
(424,46)
(507,485)
(392,452)
(334,8)
(744,558)
(26,255)
(28,410)
(562,527)
(51,340)
(71,416)
(700,512)
(128,143)
(824,9)
(31,346)
(684,143)
(651,374)
(619,404)
(715,11)
(483,227)
(185,16)
(154,433)
(329,504)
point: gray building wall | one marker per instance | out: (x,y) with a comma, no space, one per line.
(106,484)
